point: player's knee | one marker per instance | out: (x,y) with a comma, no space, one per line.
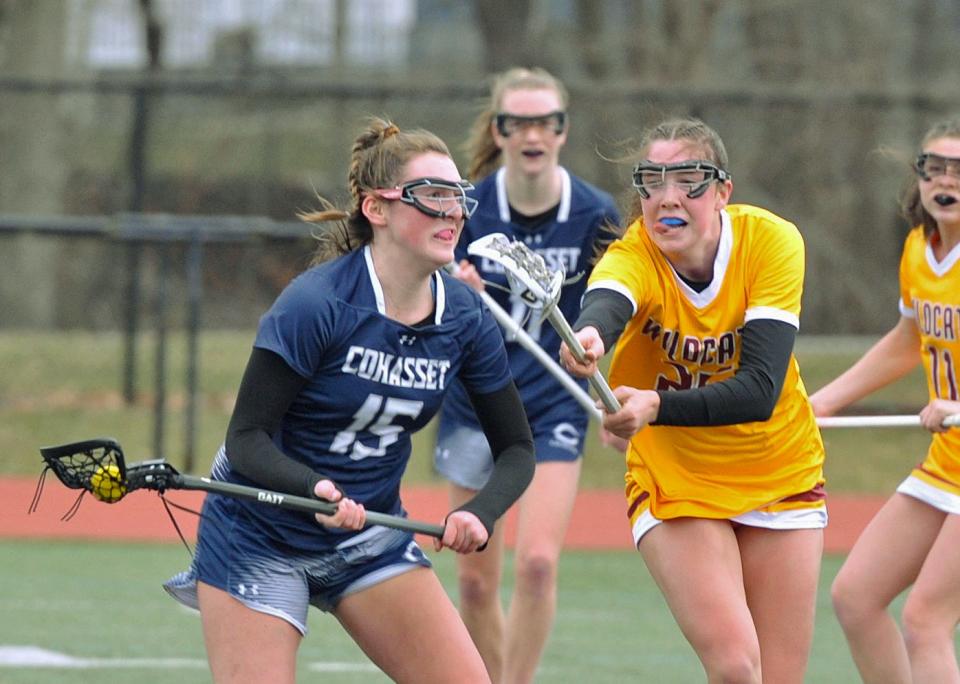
(733,665)
(478,590)
(537,573)
(924,625)
(849,604)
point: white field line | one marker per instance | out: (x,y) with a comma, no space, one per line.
(35,657)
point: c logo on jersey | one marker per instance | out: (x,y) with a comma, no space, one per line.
(565,436)
(413,553)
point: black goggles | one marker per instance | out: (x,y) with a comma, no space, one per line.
(508,124)
(435,197)
(693,177)
(928,166)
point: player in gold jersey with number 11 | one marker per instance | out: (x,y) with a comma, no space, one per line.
(724,477)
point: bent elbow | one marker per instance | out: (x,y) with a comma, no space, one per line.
(762,410)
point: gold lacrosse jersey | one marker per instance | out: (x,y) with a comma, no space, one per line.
(930,294)
(679,338)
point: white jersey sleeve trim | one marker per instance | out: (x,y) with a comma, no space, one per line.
(616,286)
(906,311)
(771,313)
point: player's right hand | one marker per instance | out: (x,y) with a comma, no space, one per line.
(350,515)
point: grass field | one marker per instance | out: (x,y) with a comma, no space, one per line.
(102,605)
(101,608)
(65,386)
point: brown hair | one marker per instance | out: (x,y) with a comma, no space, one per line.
(910,207)
(377,159)
(694,131)
(481,148)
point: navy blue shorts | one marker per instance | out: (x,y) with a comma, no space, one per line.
(463,456)
(283,582)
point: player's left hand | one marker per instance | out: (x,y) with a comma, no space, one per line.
(609,439)
(350,515)
(637,409)
(463,532)
(593,349)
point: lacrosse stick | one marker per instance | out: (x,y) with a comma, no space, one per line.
(97,466)
(514,331)
(535,284)
(880,421)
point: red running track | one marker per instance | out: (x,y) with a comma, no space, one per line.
(598,521)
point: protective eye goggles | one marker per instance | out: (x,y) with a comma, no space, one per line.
(508,124)
(434,196)
(693,177)
(928,166)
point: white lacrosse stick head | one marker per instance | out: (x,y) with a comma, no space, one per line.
(527,272)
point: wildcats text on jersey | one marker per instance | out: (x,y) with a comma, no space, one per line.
(719,350)
(937,320)
(396,371)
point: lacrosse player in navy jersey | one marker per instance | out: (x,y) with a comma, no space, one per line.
(354,356)
(525,194)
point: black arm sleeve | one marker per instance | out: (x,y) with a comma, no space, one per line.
(752,392)
(268,388)
(608,312)
(505,425)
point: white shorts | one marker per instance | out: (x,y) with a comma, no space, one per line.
(928,494)
(794,519)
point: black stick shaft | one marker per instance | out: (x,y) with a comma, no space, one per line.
(299,503)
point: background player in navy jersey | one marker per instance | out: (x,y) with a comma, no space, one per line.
(534,199)
(355,355)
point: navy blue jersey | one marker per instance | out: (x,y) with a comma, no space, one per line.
(371,382)
(566,241)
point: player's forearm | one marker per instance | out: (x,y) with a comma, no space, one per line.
(891,358)
(504,422)
(608,312)
(753,391)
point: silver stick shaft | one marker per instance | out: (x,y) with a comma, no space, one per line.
(514,331)
(597,381)
(879,421)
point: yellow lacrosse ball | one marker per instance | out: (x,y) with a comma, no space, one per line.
(106,485)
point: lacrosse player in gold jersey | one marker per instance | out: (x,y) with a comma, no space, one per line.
(724,477)
(914,539)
